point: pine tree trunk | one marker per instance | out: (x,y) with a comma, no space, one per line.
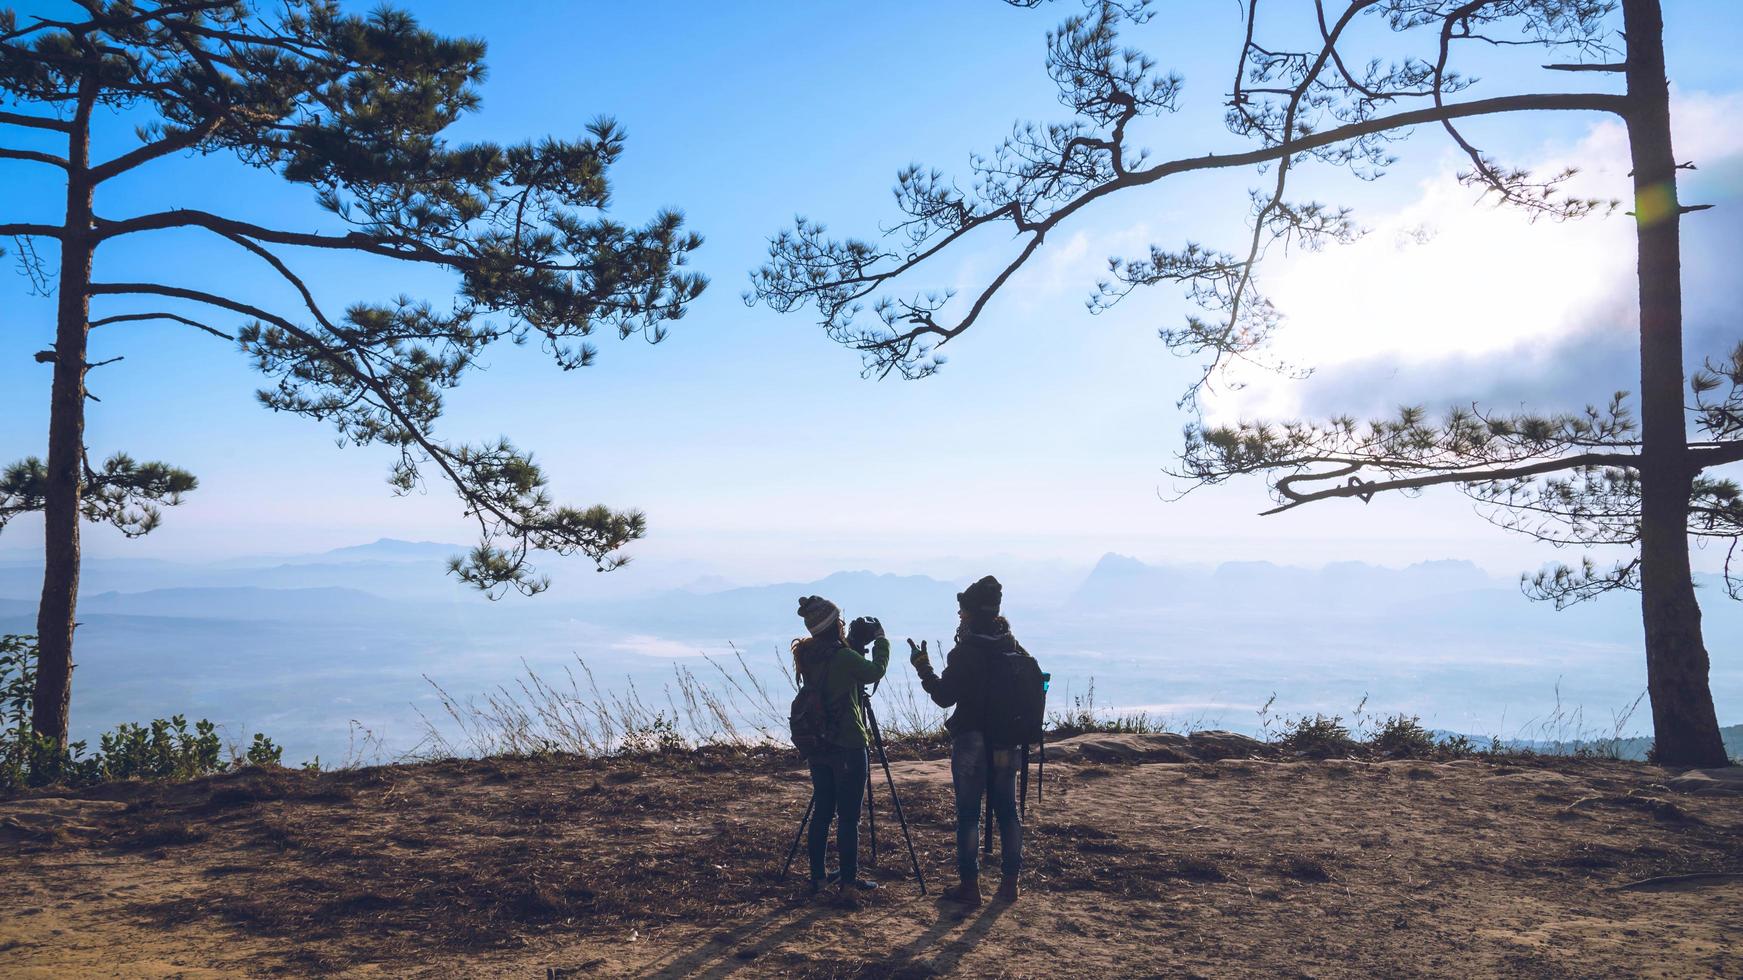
(66,443)
(1685,727)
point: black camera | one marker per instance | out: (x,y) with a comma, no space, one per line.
(862,631)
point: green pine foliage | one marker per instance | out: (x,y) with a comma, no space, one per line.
(126,494)
(357,108)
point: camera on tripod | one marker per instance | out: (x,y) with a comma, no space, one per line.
(862,631)
(860,634)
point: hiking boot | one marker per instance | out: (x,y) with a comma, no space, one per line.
(965,892)
(1008,890)
(864,884)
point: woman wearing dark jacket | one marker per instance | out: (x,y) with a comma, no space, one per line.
(974,766)
(838,777)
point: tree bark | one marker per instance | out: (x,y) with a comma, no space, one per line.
(66,440)
(1685,727)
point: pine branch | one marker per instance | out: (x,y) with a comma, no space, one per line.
(174,317)
(803,267)
(1368,489)
(33,156)
(35,122)
(26,228)
(151,151)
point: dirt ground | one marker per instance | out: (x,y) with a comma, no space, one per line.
(668,867)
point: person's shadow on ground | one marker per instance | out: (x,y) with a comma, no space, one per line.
(955,948)
(740,947)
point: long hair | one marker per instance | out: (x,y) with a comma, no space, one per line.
(805,646)
(994,625)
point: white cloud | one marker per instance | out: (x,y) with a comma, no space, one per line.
(1485,284)
(654,646)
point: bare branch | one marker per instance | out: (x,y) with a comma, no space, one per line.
(174,317)
(26,228)
(35,122)
(838,276)
(1367,489)
(151,151)
(33,156)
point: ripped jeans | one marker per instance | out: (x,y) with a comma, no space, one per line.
(970,767)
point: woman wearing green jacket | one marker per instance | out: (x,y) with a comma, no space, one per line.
(838,777)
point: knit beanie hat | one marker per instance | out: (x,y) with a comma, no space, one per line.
(820,614)
(983,597)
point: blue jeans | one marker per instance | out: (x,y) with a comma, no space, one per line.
(838,792)
(970,767)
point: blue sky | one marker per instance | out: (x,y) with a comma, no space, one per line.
(748,437)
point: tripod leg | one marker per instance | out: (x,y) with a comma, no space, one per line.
(986,790)
(803,821)
(1041,773)
(895,801)
(871,818)
(1023,792)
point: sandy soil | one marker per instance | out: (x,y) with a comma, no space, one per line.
(1142,862)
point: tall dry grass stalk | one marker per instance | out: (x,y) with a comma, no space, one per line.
(726,703)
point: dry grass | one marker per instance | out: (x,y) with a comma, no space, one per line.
(509,862)
(726,704)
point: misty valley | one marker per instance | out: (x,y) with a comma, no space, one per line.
(303,647)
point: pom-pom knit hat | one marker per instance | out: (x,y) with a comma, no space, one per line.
(820,614)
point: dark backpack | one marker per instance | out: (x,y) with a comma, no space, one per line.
(1016,698)
(809,721)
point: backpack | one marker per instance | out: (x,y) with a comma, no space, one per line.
(809,720)
(1016,698)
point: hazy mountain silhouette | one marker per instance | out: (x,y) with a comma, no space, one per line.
(248,602)
(765,610)
(313,642)
(1118,582)
(385,549)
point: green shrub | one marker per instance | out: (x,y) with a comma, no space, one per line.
(1458,745)
(1083,717)
(163,749)
(264,753)
(1317,736)
(17,681)
(660,734)
(1403,737)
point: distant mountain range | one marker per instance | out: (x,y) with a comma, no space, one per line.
(389,568)
(384,549)
(1622,748)
(1117,581)
(311,643)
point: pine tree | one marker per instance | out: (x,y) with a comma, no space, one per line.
(354,108)
(1596,476)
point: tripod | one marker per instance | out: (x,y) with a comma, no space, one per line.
(1022,792)
(871,720)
